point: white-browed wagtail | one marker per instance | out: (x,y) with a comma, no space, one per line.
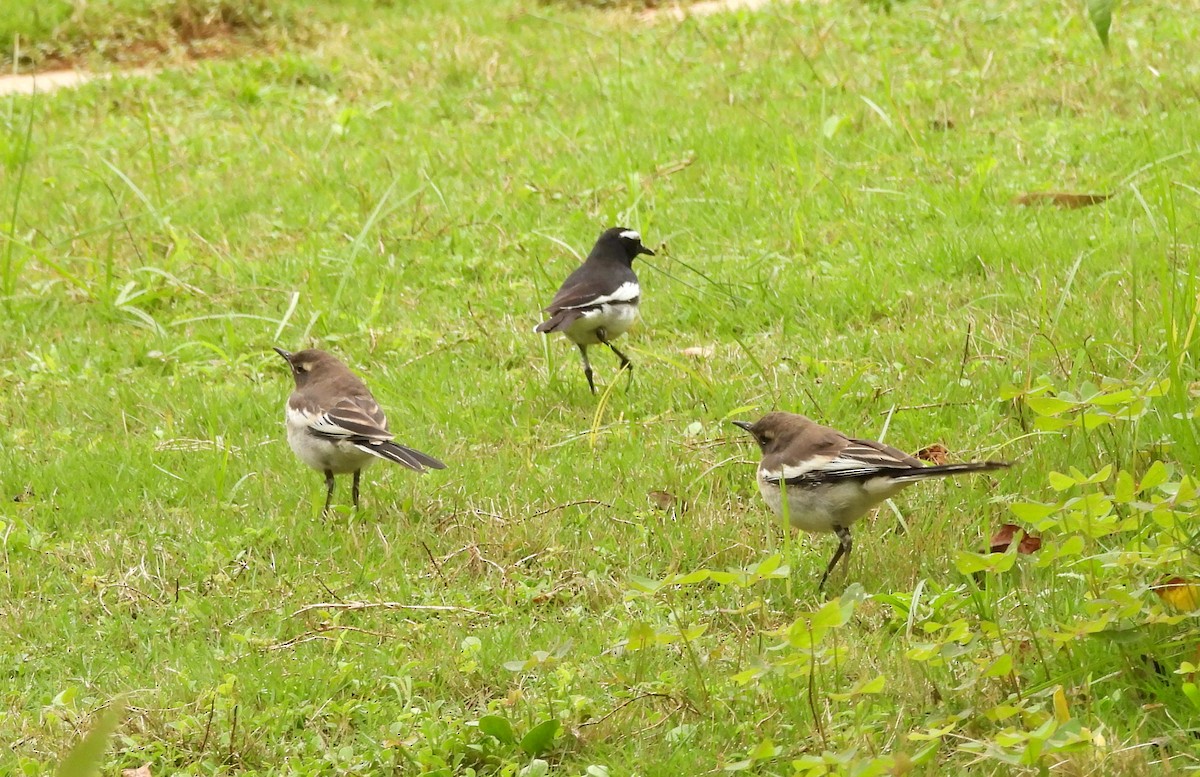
(335,426)
(599,300)
(832,480)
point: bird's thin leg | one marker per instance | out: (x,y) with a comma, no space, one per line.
(845,545)
(587,367)
(357,472)
(328,490)
(625,363)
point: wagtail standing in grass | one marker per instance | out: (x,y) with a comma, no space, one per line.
(599,301)
(334,424)
(830,479)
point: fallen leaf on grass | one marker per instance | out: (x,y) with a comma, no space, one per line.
(699,351)
(1003,538)
(1179,593)
(934,454)
(1066,200)
(141,771)
(663,500)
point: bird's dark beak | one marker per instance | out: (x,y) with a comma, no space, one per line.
(746,425)
(644,250)
(287,357)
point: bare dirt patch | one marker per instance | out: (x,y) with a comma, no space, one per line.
(679,12)
(52,80)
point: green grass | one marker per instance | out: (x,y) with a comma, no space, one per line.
(398,194)
(54,33)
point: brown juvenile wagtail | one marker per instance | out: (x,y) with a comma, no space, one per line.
(599,301)
(832,480)
(334,424)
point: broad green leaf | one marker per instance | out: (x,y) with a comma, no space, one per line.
(923,651)
(1115,398)
(875,767)
(872,686)
(830,615)
(1001,667)
(1061,482)
(536,768)
(969,563)
(1095,420)
(927,753)
(1049,424)
(498,727)
(748,675)
(1186,490)
(1052,551)
(725,578)
(1124,490)
(540,738)
(768,565)
(698,576)
(1154,477)
(83,760)
(1032,512)
(1048,406)
(765,749)
(1009,391)
(1161,388)
(640,636)
(643,584)
(1193,693)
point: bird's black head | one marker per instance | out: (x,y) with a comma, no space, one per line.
(620,243)
(307,364)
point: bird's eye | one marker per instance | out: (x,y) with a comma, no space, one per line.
(303,366)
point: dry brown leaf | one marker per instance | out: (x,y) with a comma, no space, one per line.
(699,351)
(1002,540)
(934,454)
(141,771)
(1065,200)
(663,500)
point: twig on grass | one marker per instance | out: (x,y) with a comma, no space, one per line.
(927,406)
(319,633)
(387,606)
(571,504)
(436,566)
(625,704)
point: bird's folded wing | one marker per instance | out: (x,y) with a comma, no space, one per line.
(349,419)
(586,295)
(854,462)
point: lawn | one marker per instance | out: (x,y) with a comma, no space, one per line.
(594,586)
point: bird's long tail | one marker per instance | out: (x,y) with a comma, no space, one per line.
(400,454)
(947,470)
(559,321)
(901,474)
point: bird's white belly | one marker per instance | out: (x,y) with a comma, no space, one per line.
(824,507)
(338,457)
(615,319)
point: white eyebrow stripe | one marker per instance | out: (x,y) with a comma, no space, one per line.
(626,292)
(631,234)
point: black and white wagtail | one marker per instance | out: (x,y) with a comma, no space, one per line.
(599,301)
(334,424)
(832,480)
